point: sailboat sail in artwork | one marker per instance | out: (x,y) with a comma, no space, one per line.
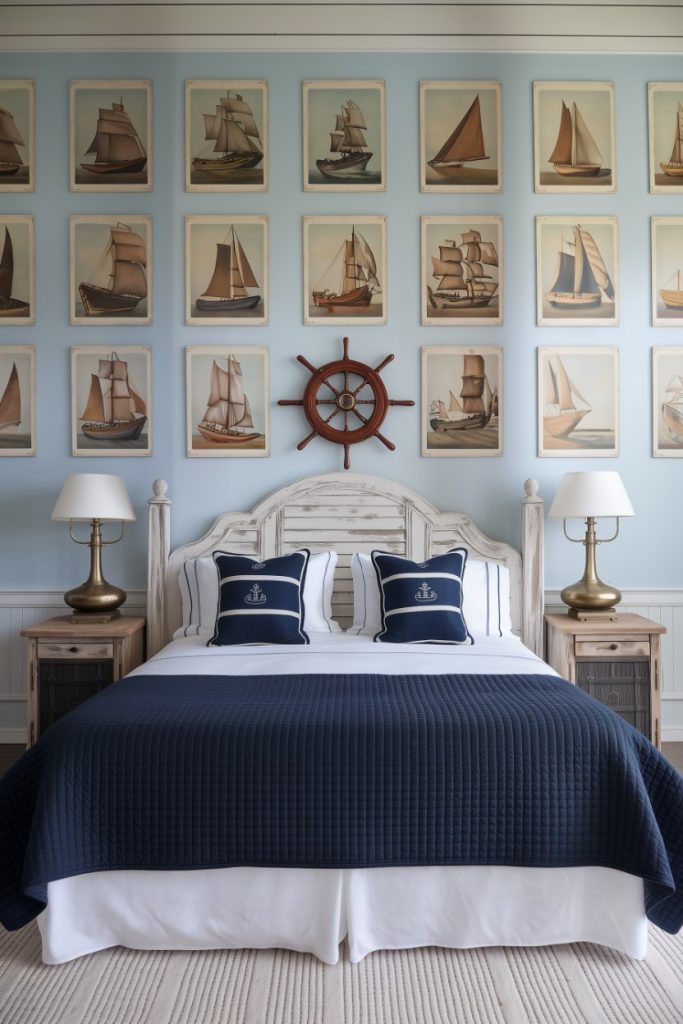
(228,418)
(465,143)
(114,410)
(126,281)
(348,145)
(116,144)
(10,138)
(235,137)
(9,306)
(576,152)
(672,408)
(354,270)
(462,282)
(582,279)
(231,280)
(674,168)
(10,403)
(564,406)
(475,409)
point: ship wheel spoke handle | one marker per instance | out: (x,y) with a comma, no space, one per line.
(345,400)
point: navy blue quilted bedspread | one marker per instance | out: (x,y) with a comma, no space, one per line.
(340,771)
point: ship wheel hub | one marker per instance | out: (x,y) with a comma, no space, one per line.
(346,401)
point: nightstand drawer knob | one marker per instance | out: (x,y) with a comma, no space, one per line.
(614,647)
(74,650)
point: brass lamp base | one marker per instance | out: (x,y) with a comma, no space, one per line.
(95,597)
(590,595)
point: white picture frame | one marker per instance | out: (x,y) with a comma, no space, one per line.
(125,104)
(448,429)
(578,401)
(17,270)
(463,122)
(450,244)
(17,400)
(210,438)
(18,130)
(96,372)
(226,253)
(93,269)
(667,402)
(324,254)
(560,300)
(667,271)
(574,137)
(338,113)
(239,169)
(665,137)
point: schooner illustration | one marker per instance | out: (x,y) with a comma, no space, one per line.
(227,419)
(10,403)
(576,152)
(232,277)
(465,144)
(476,407)
(348,141)
(120,289)
(114,410)
(462,282)
(235,135)
(674,168)
(565,406)
(354,271)
(672,408)
(10,138)
(116,144)
(10,306)
(582,280)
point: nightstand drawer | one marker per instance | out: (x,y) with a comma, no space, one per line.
(75,650)
(613,648)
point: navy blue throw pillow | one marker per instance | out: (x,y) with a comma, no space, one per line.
(260,602)
(421,602)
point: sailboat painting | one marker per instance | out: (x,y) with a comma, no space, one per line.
(577,271)
(461,137)
(667,271)
(462,401)
(17,400)
(345,270)
(228,406)
(17,135)
(110,136)
(665,123)
(226,266)
(17,302)
(111,269)
(111,400)
(344,136)
(578,402)
(462,279)
(574,137)
(667,402)
(226,135)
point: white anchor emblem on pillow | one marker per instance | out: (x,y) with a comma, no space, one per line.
(255,595)
(425,593)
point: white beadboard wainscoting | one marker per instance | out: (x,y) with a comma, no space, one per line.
(21,609)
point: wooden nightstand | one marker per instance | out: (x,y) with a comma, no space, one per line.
(71,661)
(616,662)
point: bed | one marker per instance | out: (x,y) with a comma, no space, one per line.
(390,794)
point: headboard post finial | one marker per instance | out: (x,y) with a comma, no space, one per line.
(532,567)
(159,546)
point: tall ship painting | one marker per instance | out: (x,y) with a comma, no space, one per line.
(464,145)
(10,137)
(10,306)
(564,406)
(581,280)
(115,410)
(674,167)
(10,402)
(227,419)
(233,284)
(476,405)
(672,408)
(462,281)
(348,145)
(116,145)
(351,276)
(234,143)
(119,280)
(576,153)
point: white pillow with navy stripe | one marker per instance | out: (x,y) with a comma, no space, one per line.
(260,602)
(421,602)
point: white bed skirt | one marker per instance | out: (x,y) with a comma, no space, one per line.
(313,910)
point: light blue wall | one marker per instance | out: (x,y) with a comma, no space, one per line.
(35,553)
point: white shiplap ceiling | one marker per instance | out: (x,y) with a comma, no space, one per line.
(555,26)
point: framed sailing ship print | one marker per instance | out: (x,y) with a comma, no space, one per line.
(667,271)
(111,269)
(226,270)
(667,402)
(344,136)
(462,401)
(17,262)
(577,271)
(111,400)
(574,137)
(665,133)
(578,402)
(17,135)
(226,136)
(228,401)
(17,400)
(461,137)
(110,136)
(462,275)
(345,261)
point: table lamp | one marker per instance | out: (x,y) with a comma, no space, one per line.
(94,498)
(590,496)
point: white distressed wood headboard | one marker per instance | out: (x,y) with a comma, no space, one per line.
(346,512)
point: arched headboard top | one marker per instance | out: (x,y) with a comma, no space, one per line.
(346,512)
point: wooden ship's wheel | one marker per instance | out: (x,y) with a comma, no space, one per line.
(349,389)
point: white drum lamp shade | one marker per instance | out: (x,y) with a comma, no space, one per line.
(93,496)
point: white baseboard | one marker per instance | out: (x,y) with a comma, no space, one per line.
(13,736)
(672,735)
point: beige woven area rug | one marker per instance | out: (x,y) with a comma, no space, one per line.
(579,984)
